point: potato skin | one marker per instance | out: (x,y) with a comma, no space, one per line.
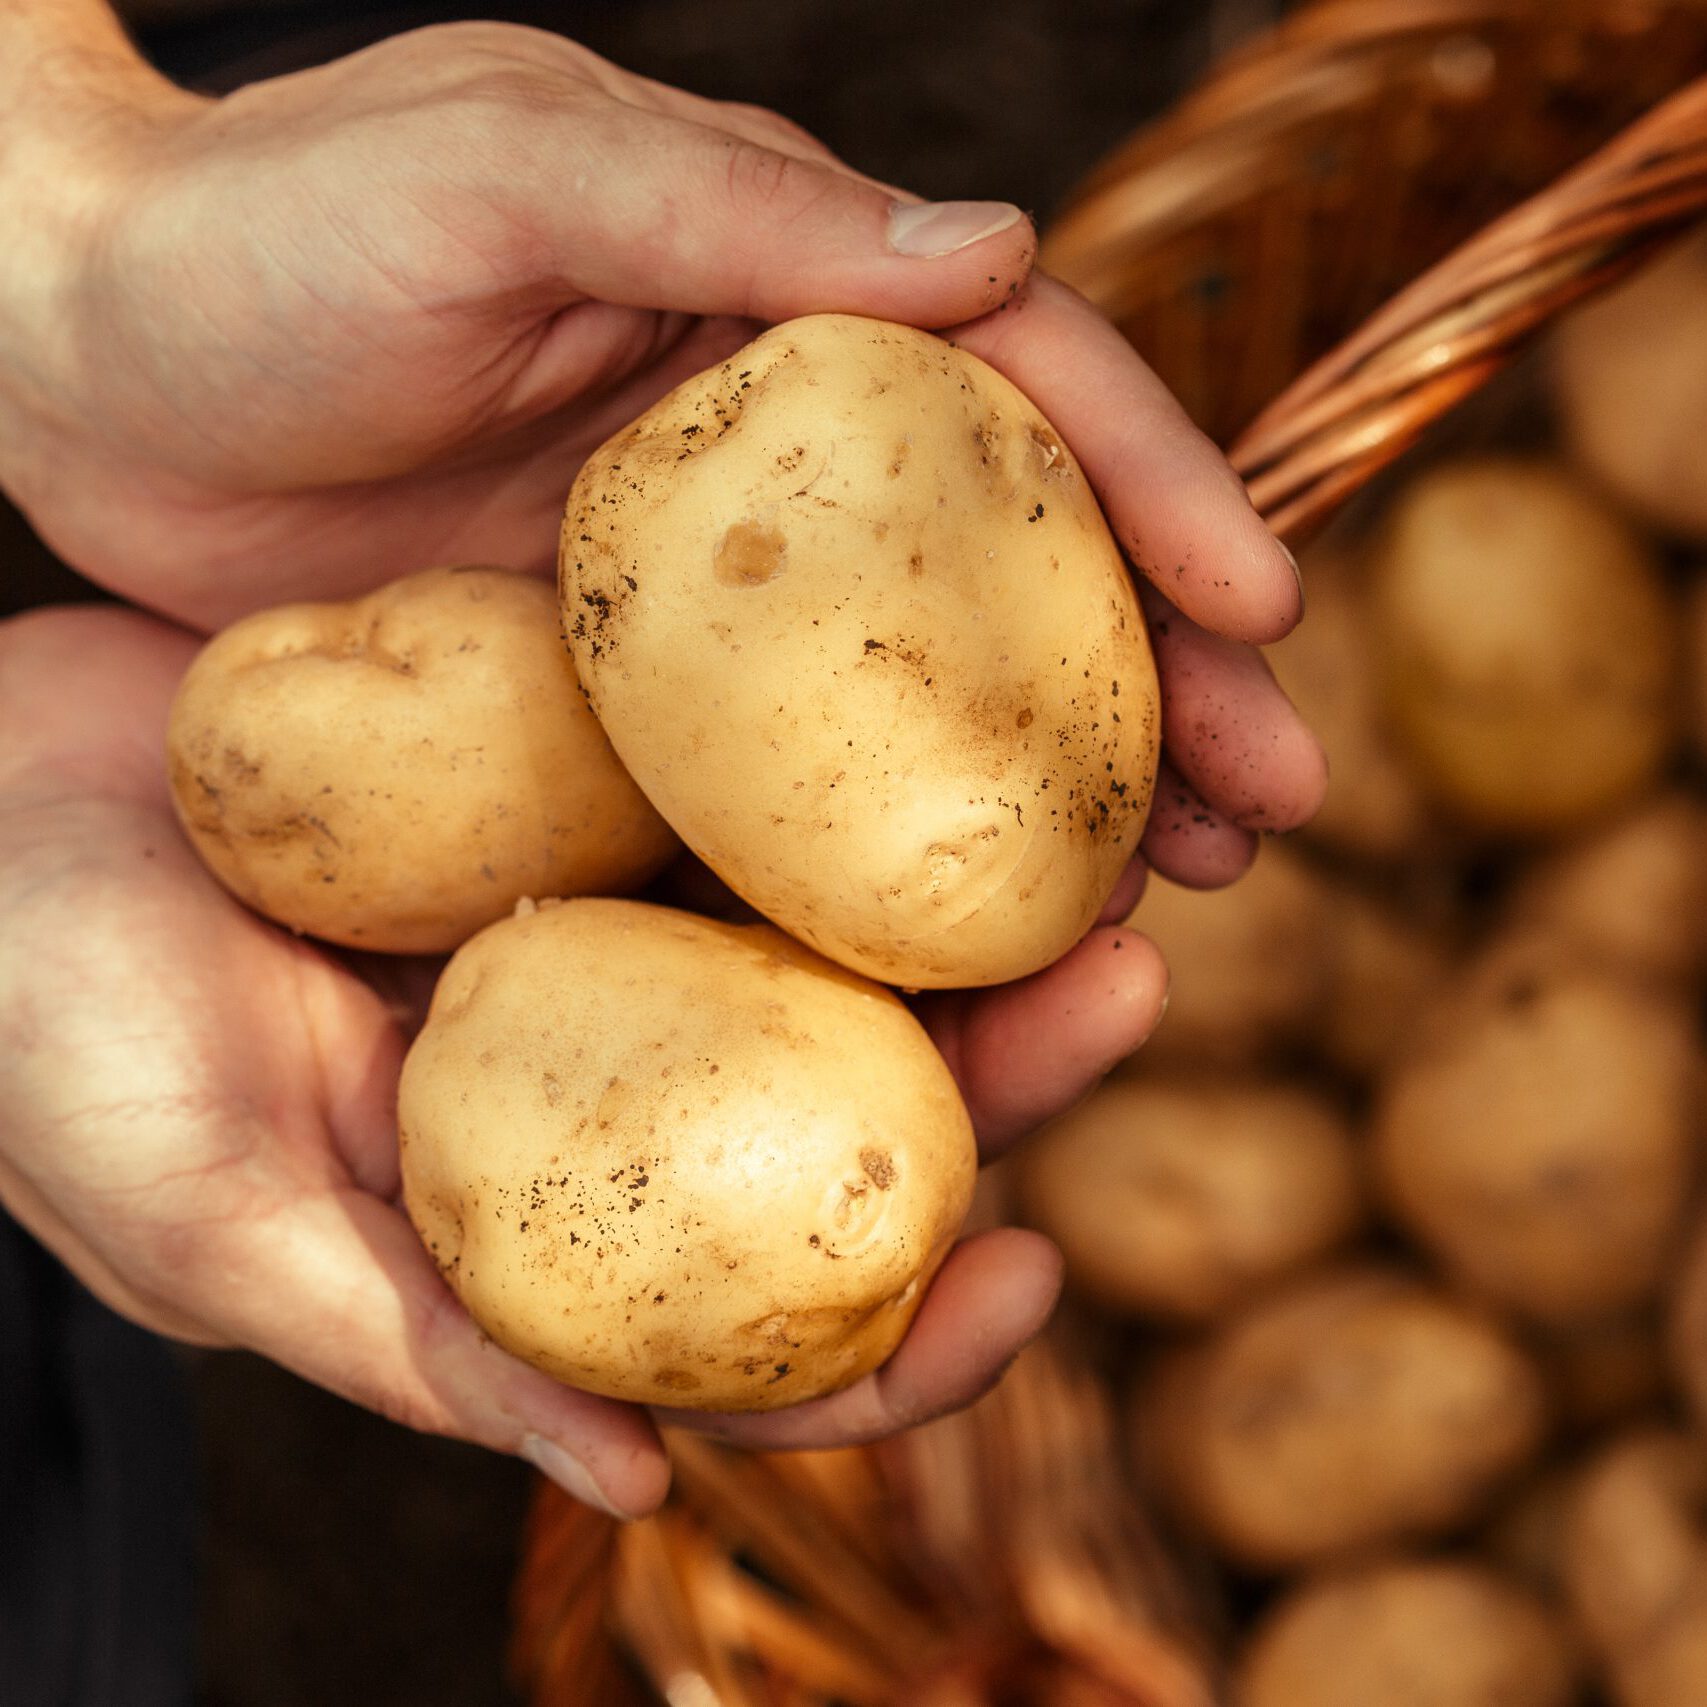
(679,1162)
(1178,1198)
(1633,896)
(1633,398)
(1635,1566)
(397,771)
(852,617)
(1355,1408)
(1529,645)
(1409,1633)
(1540,1139)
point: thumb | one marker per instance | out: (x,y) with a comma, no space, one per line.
(340,1291)
(690,217)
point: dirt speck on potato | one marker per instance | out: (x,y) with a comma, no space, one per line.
(878,1167)
(749,554)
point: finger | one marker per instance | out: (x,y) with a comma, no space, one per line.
(1189,842)
(1126,893)
(988,1301)
(1179,511)
(338,1288)
(1024,1052)
(707,221)
(1229,729)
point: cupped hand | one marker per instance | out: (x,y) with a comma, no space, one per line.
(198,1109)
(346,324)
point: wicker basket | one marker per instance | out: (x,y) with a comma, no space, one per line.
(1245,243)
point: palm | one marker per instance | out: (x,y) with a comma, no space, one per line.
(249,1074)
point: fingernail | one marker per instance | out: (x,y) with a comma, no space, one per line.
(568,1472)
(939,228)
(1297,573)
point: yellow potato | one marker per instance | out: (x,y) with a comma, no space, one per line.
(1630,373)
(1529,646)
(1375,807)
(1357,1407)
(1635,1566)
(1540,1139)
(1409,1633)
(1179,1198)
(852,617)
(676,1161)
(1633,896)
(397,771)
(1248,965)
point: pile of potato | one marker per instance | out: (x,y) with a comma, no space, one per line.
(1396,1227)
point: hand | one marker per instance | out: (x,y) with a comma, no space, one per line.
(198,1110)
(346,324)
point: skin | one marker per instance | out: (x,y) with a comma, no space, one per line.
(427,281)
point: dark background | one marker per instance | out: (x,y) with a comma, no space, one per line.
(345,1560)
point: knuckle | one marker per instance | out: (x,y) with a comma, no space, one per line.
(771,123)
(759,174)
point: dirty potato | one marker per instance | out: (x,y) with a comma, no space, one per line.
(1356,1408)
(851,615)
(679,1162)
(396,771)
(1410,1633)
(1179,1197)
(1529,646)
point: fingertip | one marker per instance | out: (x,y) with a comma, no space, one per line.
(606,1455)
(1030,1049)
(1189,842)
(962,259)
(989,1301)
(1298,771)
(1023,1272)
(1260,597)
(1126,893)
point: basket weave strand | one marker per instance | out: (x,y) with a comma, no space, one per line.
(1365,403)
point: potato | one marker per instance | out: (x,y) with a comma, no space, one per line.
(1528,644)
(1540,1139)
(852,617)
(1629,372)
(1177,1199)
(1635,1566)
(1357,1407)
(1409,1633)
(1248,965)
(676,1161)
(1375,808)
(1633,896)
(397,771)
